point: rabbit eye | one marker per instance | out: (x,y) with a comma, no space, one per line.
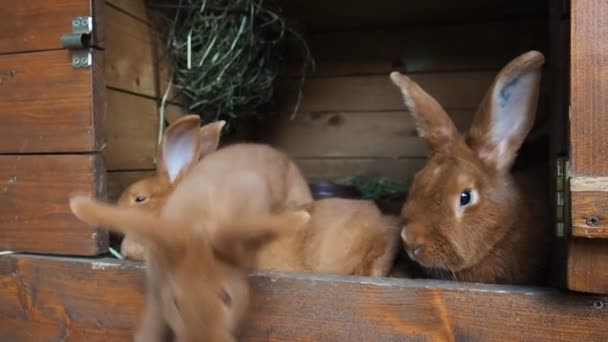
(466,198)
(140,199)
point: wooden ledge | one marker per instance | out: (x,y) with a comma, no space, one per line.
(53,298)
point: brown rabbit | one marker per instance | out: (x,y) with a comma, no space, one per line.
(177,158)
(151,192)
(197,283)
(467,217)
(343,236)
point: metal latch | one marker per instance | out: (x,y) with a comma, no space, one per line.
(562,197)
(79,42)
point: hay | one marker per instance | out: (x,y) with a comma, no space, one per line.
(226,55)
(373,188)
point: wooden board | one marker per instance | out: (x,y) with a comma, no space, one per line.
(34,207)
(338,15)
(135,8)
(402,169)
(133,56)
(47,106)
(132,131)
(458,90)
(358,134)
(588,265)
(100,299)
(119,180)
(487,46)
(35,25)
(589,214)
(588,120)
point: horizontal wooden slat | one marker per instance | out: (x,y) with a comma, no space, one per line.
(360,134)
(34,25)
(340,168)
(47,106)
(589,214)
(99,300)
(119,180)
(132,131)
(34,212)
(588,265)
(459,90)
(345,14)
(133,55)
(487,46)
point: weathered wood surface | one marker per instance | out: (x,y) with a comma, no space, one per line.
(589,214)
(47,106)
(488,46)
(588,265)
(34,212)
(389,14)
(55,299)
(35,25)
(588,84)
(135,8)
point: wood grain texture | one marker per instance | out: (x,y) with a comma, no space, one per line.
(34,207)
(458,90)
(47,106)
(133,61)
(487,46)
(588,265)
(345,14)
(588,84)
(358,134)
(132,131)
(135,8)
(340,168)
(35,25)
(589,205)
(100,299)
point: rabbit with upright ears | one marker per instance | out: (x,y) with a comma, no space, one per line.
(151,192)
(467,217)
(287,184)
(200,244)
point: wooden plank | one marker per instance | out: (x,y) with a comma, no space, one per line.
(359,134)
(135,8)
(35,25)
(46,298)
(458,90)
(341,168)
(132,131)
(589,214)
(588,265)
(132,55)
(588,122)
(47,106)
(34,212)
(347,15)
(119,180)
(488,46)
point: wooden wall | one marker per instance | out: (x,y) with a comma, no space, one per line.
(351,119)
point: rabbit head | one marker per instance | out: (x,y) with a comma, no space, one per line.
(197,284)
(464,201)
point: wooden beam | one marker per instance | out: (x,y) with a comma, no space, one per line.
(588,265)
(34,211)
(45,298)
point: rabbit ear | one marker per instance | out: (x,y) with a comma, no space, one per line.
(507,112)
(210,136)
(230,239)
(180,149)
(432,122)
(129,220)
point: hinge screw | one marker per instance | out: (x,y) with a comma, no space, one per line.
(75,22)
(593,221)
(12,73)
(598,304)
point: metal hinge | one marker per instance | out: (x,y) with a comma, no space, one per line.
(562,196)
(79,42)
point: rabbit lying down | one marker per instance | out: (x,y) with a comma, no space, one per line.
(199,245)
(343,237)
(467,217)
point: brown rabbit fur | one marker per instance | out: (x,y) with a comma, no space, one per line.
(200,243)
(286,184)
(343,236)
(467,217)
(197,283)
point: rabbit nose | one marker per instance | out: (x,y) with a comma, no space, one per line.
(417,248)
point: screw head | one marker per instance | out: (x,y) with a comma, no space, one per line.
(12,73)
(84,60)
(76,22)
(598,304)
(593,221)
(84,22)
(12,179)
(76,61)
